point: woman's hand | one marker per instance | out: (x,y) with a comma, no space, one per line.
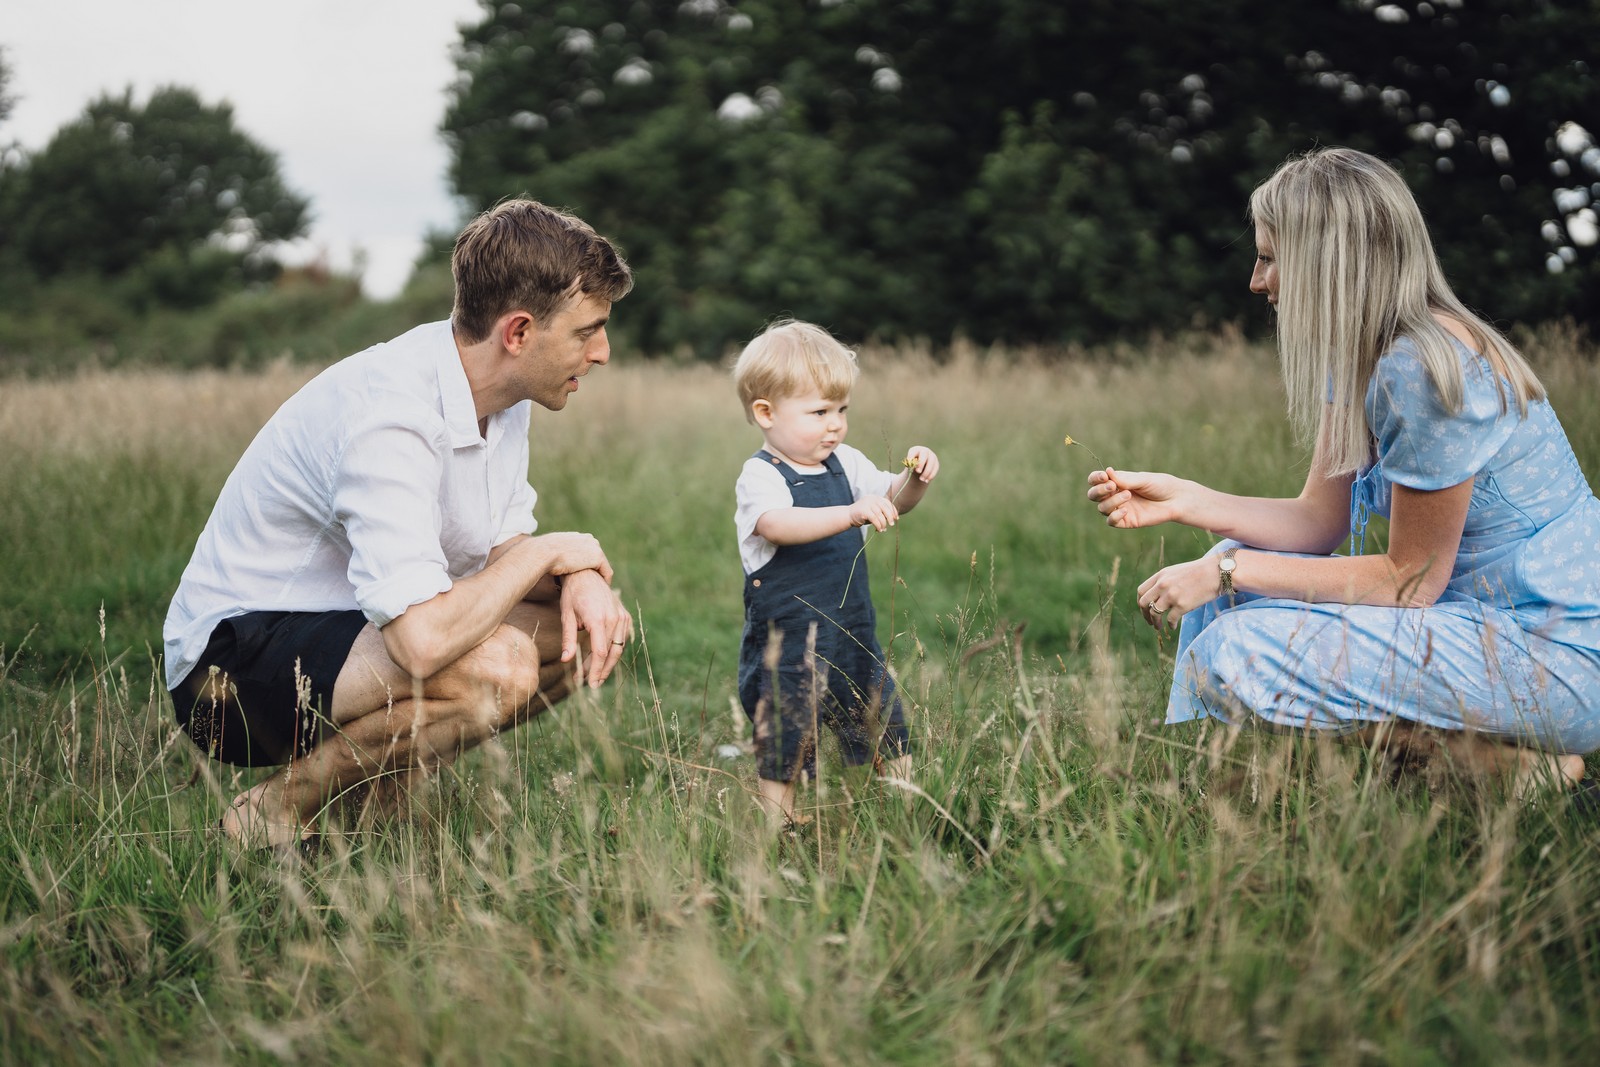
(1171,592)
(1133,499)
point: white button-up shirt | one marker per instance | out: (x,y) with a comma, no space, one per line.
(370,488)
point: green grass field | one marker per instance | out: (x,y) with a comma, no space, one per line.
(1071,882)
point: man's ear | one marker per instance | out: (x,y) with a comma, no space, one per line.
(515,329)
(761,409)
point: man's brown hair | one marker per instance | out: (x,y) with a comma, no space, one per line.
(523,256)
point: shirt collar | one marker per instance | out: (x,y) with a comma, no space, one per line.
(455,392)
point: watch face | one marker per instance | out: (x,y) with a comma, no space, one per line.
(1227,565)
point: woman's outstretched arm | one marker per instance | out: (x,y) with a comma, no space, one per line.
(1317,521)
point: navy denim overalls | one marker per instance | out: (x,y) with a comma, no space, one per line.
(800,587)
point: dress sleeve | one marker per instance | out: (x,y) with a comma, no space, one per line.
(1419,444)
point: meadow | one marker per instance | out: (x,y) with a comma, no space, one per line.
(1069,881)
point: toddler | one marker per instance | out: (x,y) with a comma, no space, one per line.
(810,651)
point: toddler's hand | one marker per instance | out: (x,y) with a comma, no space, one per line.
(878,510)
(921,461)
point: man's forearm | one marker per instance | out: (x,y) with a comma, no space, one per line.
(431,635)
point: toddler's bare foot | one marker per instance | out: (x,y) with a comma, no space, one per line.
(899,767)
(776,799)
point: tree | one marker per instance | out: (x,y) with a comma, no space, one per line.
(5,79)
(1020,170)
(169,200)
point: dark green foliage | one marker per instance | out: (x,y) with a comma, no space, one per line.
(133,212)
(170,192)
(302,315)
(1014,171)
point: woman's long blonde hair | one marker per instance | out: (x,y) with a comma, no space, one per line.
(1357,271)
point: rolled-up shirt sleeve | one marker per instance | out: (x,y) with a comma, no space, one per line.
(386,497)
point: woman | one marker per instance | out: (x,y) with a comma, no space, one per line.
(1484,614)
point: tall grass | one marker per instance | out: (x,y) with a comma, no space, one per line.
(1068,881)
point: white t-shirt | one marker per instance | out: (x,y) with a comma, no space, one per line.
(370,488)
(762,488)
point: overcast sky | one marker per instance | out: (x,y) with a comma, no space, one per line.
(349,93)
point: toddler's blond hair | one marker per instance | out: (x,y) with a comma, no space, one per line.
(789,357)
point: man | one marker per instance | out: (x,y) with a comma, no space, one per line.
(368,599)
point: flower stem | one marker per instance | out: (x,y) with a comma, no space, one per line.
(865,540)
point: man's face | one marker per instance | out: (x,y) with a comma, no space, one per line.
(563,349)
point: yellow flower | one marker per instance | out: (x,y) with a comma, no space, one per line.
(908,463)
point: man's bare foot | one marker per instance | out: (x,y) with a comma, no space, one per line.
(249,821)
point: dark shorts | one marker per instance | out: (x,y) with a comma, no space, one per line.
(271,693)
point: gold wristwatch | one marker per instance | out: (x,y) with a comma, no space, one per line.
(1225,567)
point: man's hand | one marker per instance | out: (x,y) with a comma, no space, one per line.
(573,552)
(589,603)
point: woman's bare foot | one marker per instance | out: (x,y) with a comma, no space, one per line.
(252,822)
(1542,771)
(1407,748)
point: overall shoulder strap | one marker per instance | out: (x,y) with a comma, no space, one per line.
(789,473)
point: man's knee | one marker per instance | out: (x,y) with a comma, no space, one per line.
(505,676)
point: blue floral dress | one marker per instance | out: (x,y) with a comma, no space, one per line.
(1511,648)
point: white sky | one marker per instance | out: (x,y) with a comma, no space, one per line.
(348,93)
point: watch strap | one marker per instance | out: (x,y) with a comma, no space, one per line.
(1225,585)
